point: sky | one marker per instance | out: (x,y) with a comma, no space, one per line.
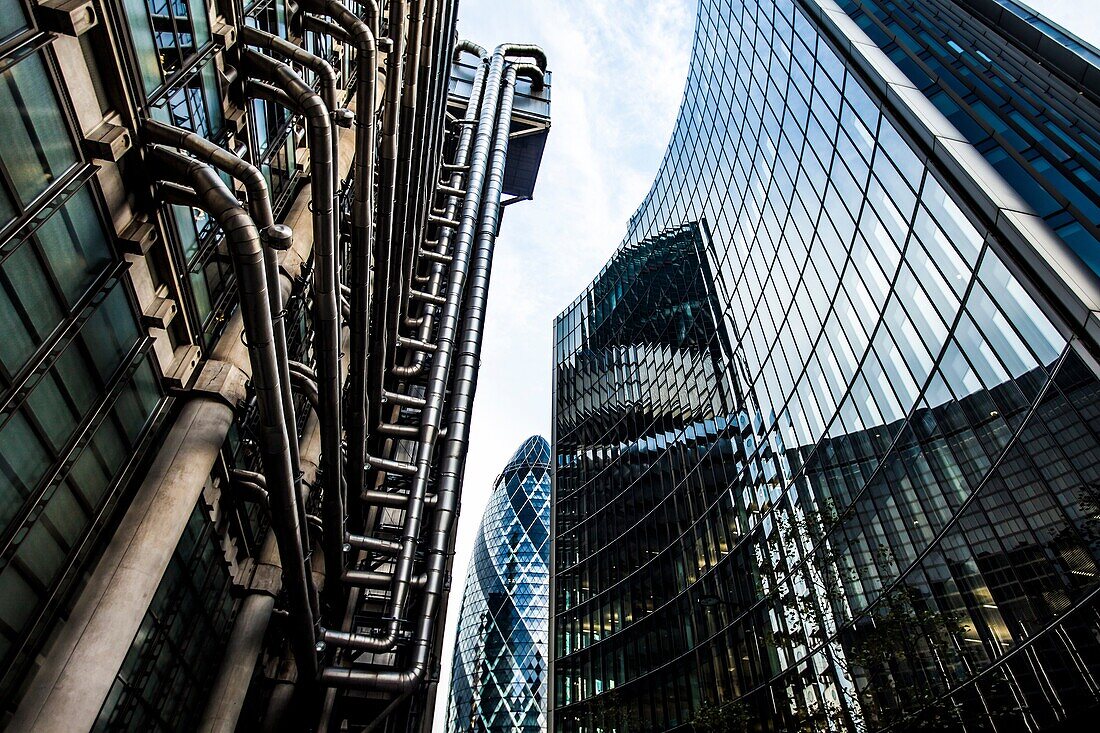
(618,74)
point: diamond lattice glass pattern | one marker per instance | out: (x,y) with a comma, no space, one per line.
(500,665)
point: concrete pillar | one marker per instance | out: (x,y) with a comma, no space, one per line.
(223,709)
(250,626)
(70,687)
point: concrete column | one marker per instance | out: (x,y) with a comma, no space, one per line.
(223,709)
(70,687)
(250,626)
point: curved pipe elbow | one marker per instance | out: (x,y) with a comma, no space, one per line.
(467,46)
(532,72)
(357,31)
(524,50)
(263,39)
(362,678)
(359,642)
(154,131)
(315,110)
(410,370)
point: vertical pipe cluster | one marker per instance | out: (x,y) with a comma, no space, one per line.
(454,351)
(288,85)
(196,184)
(350,29)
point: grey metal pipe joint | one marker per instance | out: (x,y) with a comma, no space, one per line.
(523,50)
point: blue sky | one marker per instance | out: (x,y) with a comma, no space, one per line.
(618,74)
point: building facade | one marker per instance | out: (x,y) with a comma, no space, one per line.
(825,426)
(236,239)
(501,658)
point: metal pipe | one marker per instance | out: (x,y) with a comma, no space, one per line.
(243,240)
(462,153)
(410,142)
(242,649)
(419,138)
(467,46)
(362,542)
(385,285)
(268,92)
(452,461)
(274,237)
(303,369)
(251,485)
(439,375)
(326,285)
(362,231)
(524,50)
(326,77)
(307,388)
(391,499)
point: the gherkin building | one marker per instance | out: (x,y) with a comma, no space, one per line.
(500,669)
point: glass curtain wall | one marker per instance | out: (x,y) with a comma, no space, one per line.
(78,385)
(859,491)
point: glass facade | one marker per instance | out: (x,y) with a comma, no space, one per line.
(79,387)
(498,684)
(824,458)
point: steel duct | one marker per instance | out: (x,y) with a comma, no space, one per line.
(450,210)
(326,77)
(454,448)
(208,192)
(326,286)
(274,237)
(480,214)
(362,237)
(432,409)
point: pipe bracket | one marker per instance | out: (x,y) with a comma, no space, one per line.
(222,381)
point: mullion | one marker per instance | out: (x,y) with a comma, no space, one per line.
(997,105)
(53,346)
(81,435)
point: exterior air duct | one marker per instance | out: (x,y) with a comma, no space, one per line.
(326,303)
(481,211)
(363,38)
(197,184)
(274,237)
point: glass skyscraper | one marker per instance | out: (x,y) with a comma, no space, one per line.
(498,684)
(827,425)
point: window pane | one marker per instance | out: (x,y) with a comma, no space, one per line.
(40,310)
(142,34)
(12,18)
(74,245)
(34,145)
(110,333)
(23,459)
